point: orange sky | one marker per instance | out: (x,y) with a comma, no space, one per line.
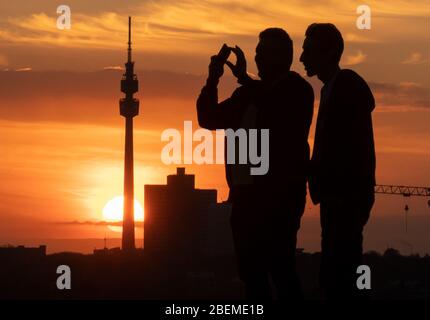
(62,137)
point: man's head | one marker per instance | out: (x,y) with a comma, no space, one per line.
(274,53)
(322,48)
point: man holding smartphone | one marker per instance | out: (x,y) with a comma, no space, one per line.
(267,209)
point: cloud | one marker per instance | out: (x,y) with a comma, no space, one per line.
(415,58)
(180,24)
(40,29)
(404,96)
(92,97)
(3,60)
(354,59)
(114,68)
(359,38)
(138,224)
(182,35)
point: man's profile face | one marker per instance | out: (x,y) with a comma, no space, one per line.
(312,57)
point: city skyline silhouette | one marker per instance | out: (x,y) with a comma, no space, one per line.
(84,184)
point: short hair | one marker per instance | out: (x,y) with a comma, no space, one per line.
(328,36)
(282,39)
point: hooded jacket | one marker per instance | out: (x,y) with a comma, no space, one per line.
(343,160)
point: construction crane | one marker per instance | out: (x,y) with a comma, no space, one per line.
(405,191)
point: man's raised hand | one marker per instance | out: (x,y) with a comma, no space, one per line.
(239,69)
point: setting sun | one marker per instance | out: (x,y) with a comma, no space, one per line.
(113,210)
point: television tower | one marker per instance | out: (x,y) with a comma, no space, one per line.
(129,108)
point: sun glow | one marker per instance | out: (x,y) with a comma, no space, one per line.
(114,208)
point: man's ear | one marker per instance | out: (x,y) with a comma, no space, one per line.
(332,54)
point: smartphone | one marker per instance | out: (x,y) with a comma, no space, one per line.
(224,53)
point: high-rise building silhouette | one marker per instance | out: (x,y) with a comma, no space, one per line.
(129,108)
(182,220)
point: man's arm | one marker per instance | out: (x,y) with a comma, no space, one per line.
(290,128)
(360,149)
(214,115)
(211,114)
(350,139)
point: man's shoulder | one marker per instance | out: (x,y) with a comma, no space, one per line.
(246,91)
(294,82)
(348,77)
(349,83)
(251,84)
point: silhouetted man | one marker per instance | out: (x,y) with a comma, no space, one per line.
(266,209)
(343,161)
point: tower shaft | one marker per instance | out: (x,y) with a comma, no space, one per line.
(128,240)
(129,108)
